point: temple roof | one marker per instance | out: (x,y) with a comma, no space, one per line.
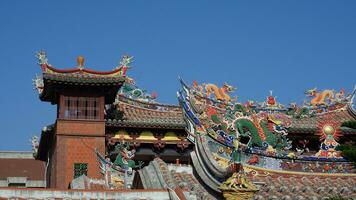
(53,80)
(155,115)
(147,115)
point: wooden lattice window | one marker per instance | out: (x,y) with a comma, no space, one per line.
(81,108)
(80,169)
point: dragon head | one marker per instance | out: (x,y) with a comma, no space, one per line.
(228,88)
(311,92)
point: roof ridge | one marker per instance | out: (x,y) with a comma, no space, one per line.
(165,111)
(149,103)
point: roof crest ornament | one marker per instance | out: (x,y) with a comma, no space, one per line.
(38,83)
(80,62)
(42,58)
(126,60)
(124,64)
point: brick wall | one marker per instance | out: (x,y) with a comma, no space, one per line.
(75,149)
(76,141)
(80,127)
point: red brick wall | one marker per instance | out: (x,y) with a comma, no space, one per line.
(76,141)
(75,149)
(80,127)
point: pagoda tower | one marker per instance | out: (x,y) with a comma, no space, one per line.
(80,95)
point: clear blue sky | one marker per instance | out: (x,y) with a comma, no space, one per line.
(287,46)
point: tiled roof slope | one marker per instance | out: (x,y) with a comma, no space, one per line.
(310,124)
(158,175)
(147,115)
(303,186)
(82,79)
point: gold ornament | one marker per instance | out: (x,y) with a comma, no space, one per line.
(80,62)
(328,129)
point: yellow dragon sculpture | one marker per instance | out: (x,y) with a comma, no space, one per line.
(222,93)
(319,98)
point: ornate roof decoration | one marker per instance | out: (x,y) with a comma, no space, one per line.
(329,133)
(270,104)
(226,133)
(225,121)
(130,90)
(52,78)
(80,70)
(120,173)
(219,94)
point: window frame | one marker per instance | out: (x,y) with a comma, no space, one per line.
(81,170)
(81,108)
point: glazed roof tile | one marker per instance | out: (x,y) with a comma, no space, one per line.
(147,115)
(82,79)
(271,185)
(281,186)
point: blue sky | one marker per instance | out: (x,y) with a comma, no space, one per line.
(257,46)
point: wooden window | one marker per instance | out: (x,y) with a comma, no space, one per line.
(80,169)
(81,108)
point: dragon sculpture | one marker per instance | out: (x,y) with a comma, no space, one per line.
(226,121)
(130,90)
(124,64)
(124,158)
(221,94)
(320,98)
(230,128)
(226,133)
(120,173)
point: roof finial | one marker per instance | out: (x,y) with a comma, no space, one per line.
(80,62)
(126,61)
(42,58)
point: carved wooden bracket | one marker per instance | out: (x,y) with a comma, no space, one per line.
(159,144)
(134,143)
(158,135)
(182,145)
(134,135)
